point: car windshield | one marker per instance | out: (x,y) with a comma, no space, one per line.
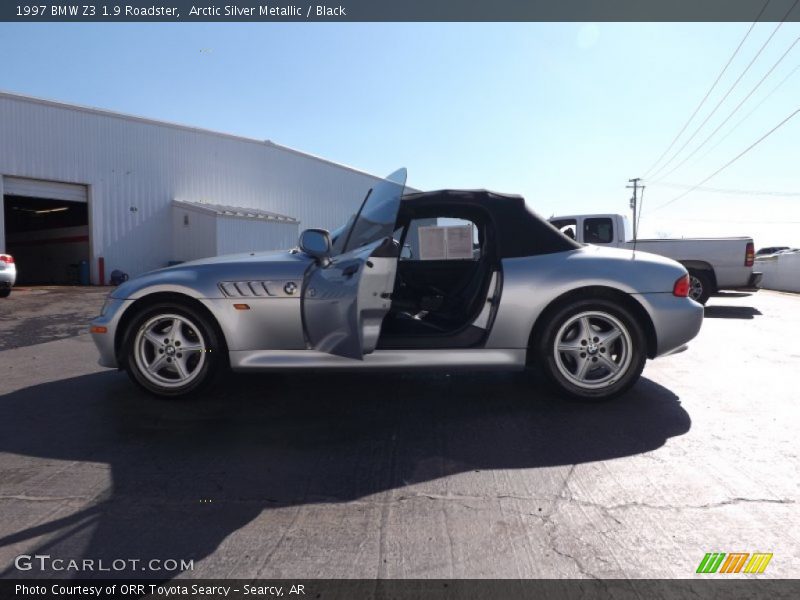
(375,219)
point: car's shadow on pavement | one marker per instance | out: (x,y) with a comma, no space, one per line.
(186,475)
(731,312)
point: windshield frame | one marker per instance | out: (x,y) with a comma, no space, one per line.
(398,179)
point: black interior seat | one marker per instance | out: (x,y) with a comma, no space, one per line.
(463,305)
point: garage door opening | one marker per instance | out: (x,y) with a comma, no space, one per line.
(48,238)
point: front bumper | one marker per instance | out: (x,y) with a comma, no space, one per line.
(109,321)
(676,320)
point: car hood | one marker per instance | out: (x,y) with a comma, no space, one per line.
(201,278)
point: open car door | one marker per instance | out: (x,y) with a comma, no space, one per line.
(345,300)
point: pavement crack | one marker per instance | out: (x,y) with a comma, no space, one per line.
(668,507)
(26,498)
(581,567)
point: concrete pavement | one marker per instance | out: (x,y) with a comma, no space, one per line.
(405,476)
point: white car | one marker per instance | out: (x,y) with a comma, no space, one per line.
(8,274)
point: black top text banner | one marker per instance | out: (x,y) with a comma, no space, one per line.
(399,10)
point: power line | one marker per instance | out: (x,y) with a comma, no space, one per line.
(754,109)
(711,89)
(733,112)
(730,162)
(734,192)
(733,221)
(728,93)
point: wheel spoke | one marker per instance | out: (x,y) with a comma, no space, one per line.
(192,348)
(609,364)
(158,364)
(611,336)
(586,328)
(571,347)
(180,367)
(152,337)
(175,333)
(583,369)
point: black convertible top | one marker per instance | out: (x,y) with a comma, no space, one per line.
(519,230)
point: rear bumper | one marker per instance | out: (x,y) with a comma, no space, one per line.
(675,320)
(7,278)
(753,283)
(755,280)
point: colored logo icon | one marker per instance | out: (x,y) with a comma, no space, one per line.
(734,562)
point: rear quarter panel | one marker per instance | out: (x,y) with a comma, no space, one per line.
(531,284)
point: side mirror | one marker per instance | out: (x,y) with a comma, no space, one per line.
(316,243)
(406,253)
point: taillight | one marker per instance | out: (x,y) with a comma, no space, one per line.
(7,258)
(749,254)
(681,287)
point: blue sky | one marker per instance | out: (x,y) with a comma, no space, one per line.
(561,113)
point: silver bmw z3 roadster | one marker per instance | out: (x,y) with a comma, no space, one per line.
(433,280)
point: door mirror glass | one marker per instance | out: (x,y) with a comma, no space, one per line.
(406,253)
(316,243)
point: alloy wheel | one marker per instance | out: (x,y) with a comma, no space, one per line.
(593,349)
(170,350)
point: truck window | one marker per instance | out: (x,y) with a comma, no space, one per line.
(598,231)
(566,226)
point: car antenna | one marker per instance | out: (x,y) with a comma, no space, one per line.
(636,187)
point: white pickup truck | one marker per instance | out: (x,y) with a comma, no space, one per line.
(713,263)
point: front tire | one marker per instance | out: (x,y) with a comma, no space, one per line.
(171,350)
(5,293)
(592,350)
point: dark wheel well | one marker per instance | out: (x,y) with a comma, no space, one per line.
(592,292)
(158,298)
(698,265)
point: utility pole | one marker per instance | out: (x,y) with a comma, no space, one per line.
(634,200)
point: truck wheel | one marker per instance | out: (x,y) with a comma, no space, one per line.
(592,350)
(699,286)
(5,293)
(171,350)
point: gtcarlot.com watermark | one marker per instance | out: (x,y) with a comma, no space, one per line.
(44,562)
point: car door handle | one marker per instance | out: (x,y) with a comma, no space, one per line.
(350,270)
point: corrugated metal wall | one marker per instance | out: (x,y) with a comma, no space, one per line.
(135,168)
(248,235)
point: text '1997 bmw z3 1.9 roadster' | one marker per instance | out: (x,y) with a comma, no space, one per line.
(433,280)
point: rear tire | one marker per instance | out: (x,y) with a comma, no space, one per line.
(592,350)
(171,350)
(700,286)
(5,293)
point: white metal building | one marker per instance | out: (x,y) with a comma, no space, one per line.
(200,230)
(129,193)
